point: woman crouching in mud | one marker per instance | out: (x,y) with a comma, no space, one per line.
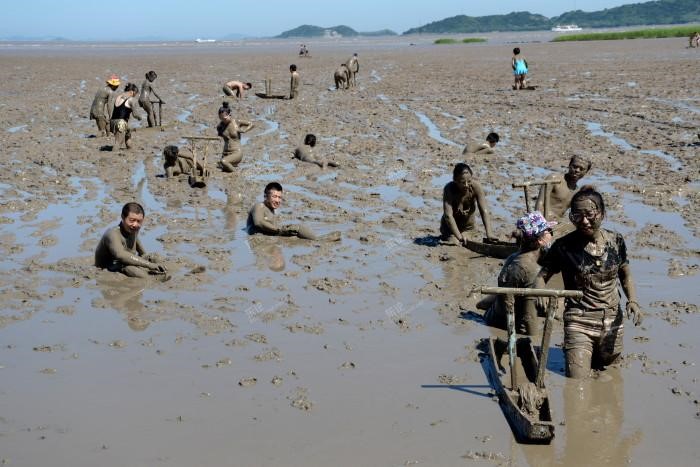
(230,130)
(591,259)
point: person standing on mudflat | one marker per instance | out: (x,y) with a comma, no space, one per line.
(124,106)
(120,250)
(145,97)
(101,110)
(230,130)
(294,82)
(593,260)
(519,65)
(353,66)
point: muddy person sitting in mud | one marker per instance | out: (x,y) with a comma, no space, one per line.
(120,250)
(230,130)
(262,218)
(124,106)
(591,259)
(560,194)
(460,198)
(176,163)
(305,153)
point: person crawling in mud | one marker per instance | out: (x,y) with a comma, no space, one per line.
(534,237)
(460,198)
(262,218)
(593,260)
(124,107)
(176,163)
(101,109)
(236,88)
(560,194)
(482,148)
(305,153)
(120,250)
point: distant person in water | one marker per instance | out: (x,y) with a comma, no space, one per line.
(482,148)
(305,153)
(230,130)
(519,65)
(145,97)
(293,82)
(460,198)
(263,219)
(560,194)
(124,106)
(101,110)
(236,88)
(120,250)
(176,163)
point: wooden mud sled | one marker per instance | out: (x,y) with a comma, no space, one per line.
(199,174)
(521,389)
(537,183)
(494,248)
(268,94)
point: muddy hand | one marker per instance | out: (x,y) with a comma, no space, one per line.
(634,313)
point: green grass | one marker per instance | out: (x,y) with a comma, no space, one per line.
(468,40)
(680,31)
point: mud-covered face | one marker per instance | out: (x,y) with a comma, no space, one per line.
(586,216)
(463,180)
(132,223)
(273,199)
(577,169)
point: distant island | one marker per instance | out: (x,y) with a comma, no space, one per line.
(307,31)
(655,12)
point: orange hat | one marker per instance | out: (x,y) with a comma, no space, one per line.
(114,80)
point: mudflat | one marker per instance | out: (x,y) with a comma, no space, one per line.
(358,352)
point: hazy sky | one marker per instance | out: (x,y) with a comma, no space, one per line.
(189,19)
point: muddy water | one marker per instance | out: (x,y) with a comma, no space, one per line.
(354,353)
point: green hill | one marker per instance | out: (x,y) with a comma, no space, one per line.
(335,31)
(655,12)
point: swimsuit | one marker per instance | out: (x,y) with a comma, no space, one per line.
(520,67)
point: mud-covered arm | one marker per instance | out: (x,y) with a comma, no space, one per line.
(244,125)
(153,90)
(448,213)
(132,103)
(483,208)
(262,224)
(124,256)
(634,312)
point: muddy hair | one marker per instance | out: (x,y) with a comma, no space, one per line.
(460,168)
(170,154)
(151,75)
(589,192)
(580,158)
(131,87)
(130,208)
(493,138)
(272,186)
(310,140)
(225,109)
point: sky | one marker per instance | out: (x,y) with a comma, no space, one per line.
(190,19)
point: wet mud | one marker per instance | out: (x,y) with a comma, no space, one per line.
(358,352)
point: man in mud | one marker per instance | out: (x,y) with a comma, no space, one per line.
(120,250)
(560,194)
(262,218)
(293,82)
(460,198)
(482,148)
(353,66)
(124,106)
(236,88)
(305,153)
(176,163)
(341,76)
(101,109)
(145,97)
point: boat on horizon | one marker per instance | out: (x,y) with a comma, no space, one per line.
(200,41)
(566,28)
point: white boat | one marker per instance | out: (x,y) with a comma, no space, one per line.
(566,28)
(201,41)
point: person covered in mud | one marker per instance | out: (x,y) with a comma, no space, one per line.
(124,107)
(293,82)
(482,148)
(353,65)
(593,260)
(262,218)
(534,237)
(341,76)
(230,130)
(305,153)
(519,65)
(145,97)
(460,198)
(176,163)
(560,194)
(694,40)
(101,109)
(120,250)
(236,88)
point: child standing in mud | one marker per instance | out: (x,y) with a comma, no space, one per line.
(101,110)
(294,82)
(519,65)
(145,97)
(124,106)
(230,129)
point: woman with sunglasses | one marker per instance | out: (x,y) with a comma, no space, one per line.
(592,260)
